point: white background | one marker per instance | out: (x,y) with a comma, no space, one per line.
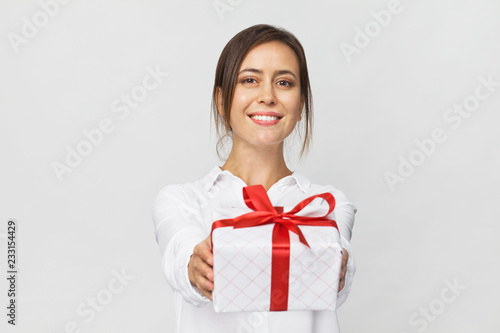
(439,225)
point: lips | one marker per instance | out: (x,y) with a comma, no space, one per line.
(265,118)
(265,113)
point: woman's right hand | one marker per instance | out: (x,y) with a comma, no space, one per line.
(200,271)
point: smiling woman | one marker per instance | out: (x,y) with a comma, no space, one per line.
(261,95)
(266,104)
(238,64)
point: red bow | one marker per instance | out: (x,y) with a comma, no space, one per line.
(264,213)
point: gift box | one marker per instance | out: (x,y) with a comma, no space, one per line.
(273,258)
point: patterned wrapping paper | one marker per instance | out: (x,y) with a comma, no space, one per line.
(243,262)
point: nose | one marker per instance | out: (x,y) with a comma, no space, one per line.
(266,94)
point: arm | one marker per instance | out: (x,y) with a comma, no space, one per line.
(178,230)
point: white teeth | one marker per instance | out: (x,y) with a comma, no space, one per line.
(264,118)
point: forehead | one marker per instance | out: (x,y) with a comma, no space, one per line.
(276,55)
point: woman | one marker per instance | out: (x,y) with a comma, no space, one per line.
(261,94)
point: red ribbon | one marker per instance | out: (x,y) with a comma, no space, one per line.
(264,213)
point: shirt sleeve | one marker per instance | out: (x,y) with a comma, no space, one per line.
(344,216)
(177,231)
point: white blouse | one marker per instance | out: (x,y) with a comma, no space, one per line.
(182,216)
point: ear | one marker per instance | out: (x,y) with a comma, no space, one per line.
(218,100)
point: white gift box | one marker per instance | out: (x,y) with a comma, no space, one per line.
(243,261)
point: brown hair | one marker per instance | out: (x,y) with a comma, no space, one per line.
(228,67)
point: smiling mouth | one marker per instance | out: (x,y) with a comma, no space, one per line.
(265,118)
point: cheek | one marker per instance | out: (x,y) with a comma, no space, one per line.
(293,106)
(241,99)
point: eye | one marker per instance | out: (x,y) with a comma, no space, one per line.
(285,83)
(248,80)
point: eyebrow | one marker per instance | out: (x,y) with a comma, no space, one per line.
(258,71)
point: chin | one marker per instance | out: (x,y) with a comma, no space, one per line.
(268,142)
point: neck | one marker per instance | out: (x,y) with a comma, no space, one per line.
(257,165)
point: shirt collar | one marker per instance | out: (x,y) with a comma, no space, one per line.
(295,178)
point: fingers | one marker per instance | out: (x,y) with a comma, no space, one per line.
(200,269)
(204,279)
(341,284)
(203,251)
(201,275)
(345,257)
(343,269)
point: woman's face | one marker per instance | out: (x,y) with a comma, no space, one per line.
(267,101)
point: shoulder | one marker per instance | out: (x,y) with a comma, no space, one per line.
(340,197)
(310,188)
(344,211)
(180,193)
(177,200)
(189,191)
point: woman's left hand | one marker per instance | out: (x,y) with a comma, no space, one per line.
(343,269)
